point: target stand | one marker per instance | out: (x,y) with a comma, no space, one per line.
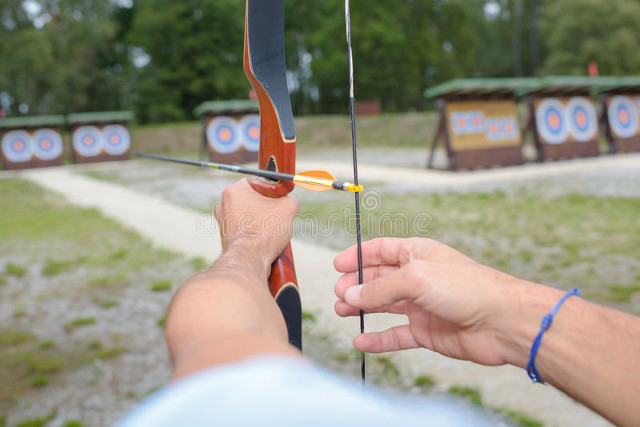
(478,123)
(100,137)
(620,98)
(562,117)
(230,130)
(31,142)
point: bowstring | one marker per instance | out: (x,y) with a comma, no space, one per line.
(347,15)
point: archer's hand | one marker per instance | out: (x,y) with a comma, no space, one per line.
(455,306)
(261,224)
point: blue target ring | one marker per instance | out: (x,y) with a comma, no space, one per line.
(509,128)
(583,121)
(17,146)
(116,139)
(224,135)
(551,121)
(47,144)
(475,121)
(623,116)
(493,130)
(250,126)
(460,122)
(87,141)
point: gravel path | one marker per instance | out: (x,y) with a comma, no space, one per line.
(185,231)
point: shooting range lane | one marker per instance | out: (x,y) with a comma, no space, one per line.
(176,228)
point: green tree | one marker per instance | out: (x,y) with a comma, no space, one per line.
(63,58)
(579,31)
(195,54)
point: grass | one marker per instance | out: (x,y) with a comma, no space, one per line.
(15,270)
(565,241)
(313,133)
(36,422)
(81,321)
(621,293)
(161,286)
(53,268)
(199,264)
(473,394)
(424,381)
(11,337)
(521,419)
(308,316)
(96,263)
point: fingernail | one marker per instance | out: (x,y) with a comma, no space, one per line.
(353,294)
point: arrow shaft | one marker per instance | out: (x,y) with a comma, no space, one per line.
(275,176)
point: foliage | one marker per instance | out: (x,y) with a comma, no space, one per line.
(163,58)
(579,31)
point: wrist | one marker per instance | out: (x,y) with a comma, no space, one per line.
(519,323)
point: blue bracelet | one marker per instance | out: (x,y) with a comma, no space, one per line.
(546,322)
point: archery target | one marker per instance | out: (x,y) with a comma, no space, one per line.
(551,121)
(623,116)
(47,144)
(582,119)
(17,146)
(493,130)
(475,121)
(87,141)
(116,139)
(224,135)
(509,128)
(459,123)
(250,126)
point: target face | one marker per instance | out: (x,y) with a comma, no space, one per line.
(47,144)
(87,141)
(475,121)
(583,121)
(509,128)
(460,123)
(116,139)
(224,135)
(250,126)
(623,116)
(551,121)
(17,146)
(493,130)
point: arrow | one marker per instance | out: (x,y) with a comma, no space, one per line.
(316,180)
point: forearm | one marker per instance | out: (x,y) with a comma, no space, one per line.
(225,314)
(590,352)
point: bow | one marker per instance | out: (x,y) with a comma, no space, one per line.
(264,65)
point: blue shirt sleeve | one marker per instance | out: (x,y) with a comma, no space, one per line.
(285,391)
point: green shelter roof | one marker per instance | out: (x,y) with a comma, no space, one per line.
(234,106)
(559,85)
(31,121)
(626,84)
(101,117)
(476,87)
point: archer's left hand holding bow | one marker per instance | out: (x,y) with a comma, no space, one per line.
(227,313)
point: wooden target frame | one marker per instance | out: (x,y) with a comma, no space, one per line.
(31,142)
(619,139)
(563,127)
(478,124)
(230,131)
(100,137)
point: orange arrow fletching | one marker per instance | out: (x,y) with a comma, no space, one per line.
(317,180)
(319,174)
